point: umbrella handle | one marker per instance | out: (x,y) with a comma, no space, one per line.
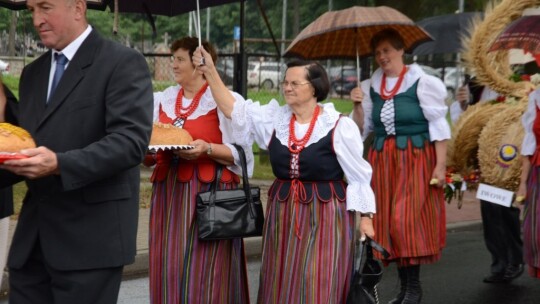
(357,66)
(115,20)
(199,22)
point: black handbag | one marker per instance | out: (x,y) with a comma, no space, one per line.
(367,273)
(230,213)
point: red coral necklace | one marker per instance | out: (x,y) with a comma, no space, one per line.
(181,112)
(394,91)
(297,145)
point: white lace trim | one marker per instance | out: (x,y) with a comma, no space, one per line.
(168,102)
(237,168)
(242,128)
(360,198)
(325,122)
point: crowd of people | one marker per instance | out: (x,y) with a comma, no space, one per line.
(77,226)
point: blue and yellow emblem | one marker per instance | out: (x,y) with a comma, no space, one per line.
(507,154)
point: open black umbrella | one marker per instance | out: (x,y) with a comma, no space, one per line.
(165,7)
(447,32)
(21,4)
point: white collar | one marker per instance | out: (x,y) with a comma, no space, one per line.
(72,48)
(325,122)
(414,72)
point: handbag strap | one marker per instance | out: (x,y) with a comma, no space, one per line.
(245,180)
(243,164)
(215,185)
(368,245)
(371,244)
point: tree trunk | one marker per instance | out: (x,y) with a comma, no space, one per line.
(296,21)
(12,30)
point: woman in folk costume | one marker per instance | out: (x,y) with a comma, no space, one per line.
(310,223)
(406,110)
(530,184)
(184,269)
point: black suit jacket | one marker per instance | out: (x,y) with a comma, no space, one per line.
(98,121)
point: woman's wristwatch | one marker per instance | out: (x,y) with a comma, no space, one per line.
(209,151)
(369,214)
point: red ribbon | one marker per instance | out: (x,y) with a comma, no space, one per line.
(298,192)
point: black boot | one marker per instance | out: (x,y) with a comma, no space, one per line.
(403,281)
(413,293)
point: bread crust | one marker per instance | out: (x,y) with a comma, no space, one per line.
(166,134)
(14,139)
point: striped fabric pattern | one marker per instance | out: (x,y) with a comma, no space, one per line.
(182,268)
(411,218)
(315,268)
(531,226)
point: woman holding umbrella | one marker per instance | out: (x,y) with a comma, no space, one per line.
(310,225)
(184,269)
(406,110)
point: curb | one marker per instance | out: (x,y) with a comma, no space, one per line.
(253,249)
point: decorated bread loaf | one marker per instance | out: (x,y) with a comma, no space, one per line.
(166,134)
(14,139)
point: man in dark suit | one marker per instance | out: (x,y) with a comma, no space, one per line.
(78,224)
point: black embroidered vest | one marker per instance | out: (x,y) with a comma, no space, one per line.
(320,172)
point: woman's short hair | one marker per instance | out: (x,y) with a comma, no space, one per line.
(390,35)
(316,75)
(190,44)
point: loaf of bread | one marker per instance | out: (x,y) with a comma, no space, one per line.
(166,134)
(14,139)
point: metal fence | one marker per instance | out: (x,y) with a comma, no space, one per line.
(264,73)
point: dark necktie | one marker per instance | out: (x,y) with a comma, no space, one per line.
(61,62)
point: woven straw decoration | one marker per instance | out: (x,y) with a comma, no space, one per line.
(462,148)
(505,128)
(492,68)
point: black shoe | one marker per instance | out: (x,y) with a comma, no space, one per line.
(513,271)
(495,278)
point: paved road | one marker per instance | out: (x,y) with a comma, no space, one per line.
(457,278)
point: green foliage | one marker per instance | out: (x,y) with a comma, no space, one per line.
(159,86)
(262,168)
(19,190)
(135,28)
(12,83)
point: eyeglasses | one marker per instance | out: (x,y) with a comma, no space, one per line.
(178,59)
(294,84)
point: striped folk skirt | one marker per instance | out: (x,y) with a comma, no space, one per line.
(411,219)
(309,264)
(182,268)
(531,224)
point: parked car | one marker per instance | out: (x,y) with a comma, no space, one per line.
(431,71)
(265,75)
(344,80)
(335,71)
(225,68)
(450,80)
(4,67)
